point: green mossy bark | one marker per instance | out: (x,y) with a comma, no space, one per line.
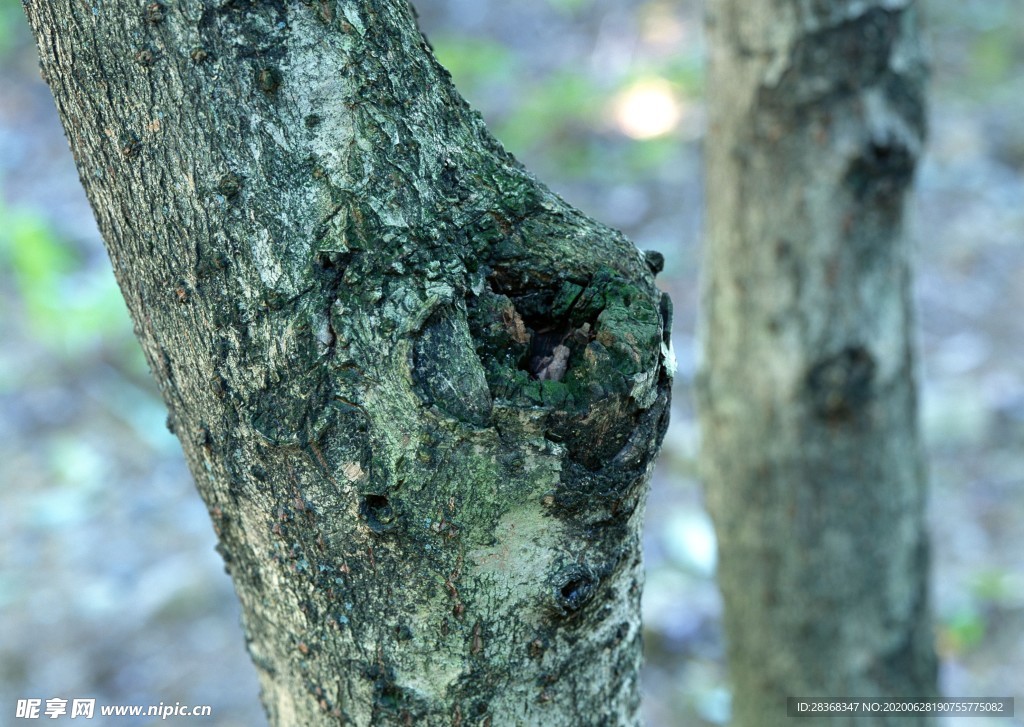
(341,282)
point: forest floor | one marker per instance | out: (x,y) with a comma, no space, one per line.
(109,584)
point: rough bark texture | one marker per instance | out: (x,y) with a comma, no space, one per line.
(811,459)
(420,395)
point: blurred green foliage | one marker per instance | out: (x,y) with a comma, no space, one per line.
(552,114)
(69,305)
(556,117)
(570,5)
(994,55)
(10,13)
(475,63)
(999,589)
(991,591)
(962,631)
(977,48)
(561,120)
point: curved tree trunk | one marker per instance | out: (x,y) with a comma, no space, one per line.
(811,458)
(420,395)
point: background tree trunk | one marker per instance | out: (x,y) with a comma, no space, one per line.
(811,458)
(420,395)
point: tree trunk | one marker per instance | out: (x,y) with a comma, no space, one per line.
(811,459)
(420,395)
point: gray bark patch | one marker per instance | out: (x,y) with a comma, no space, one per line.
(447,371)
(837,61)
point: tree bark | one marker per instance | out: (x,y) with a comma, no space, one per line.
(420,395)
(811,458)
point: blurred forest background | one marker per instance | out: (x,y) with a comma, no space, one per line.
(109,584)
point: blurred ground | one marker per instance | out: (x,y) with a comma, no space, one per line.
(109,585)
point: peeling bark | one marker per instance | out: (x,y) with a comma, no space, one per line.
(811,457)
(340,281)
